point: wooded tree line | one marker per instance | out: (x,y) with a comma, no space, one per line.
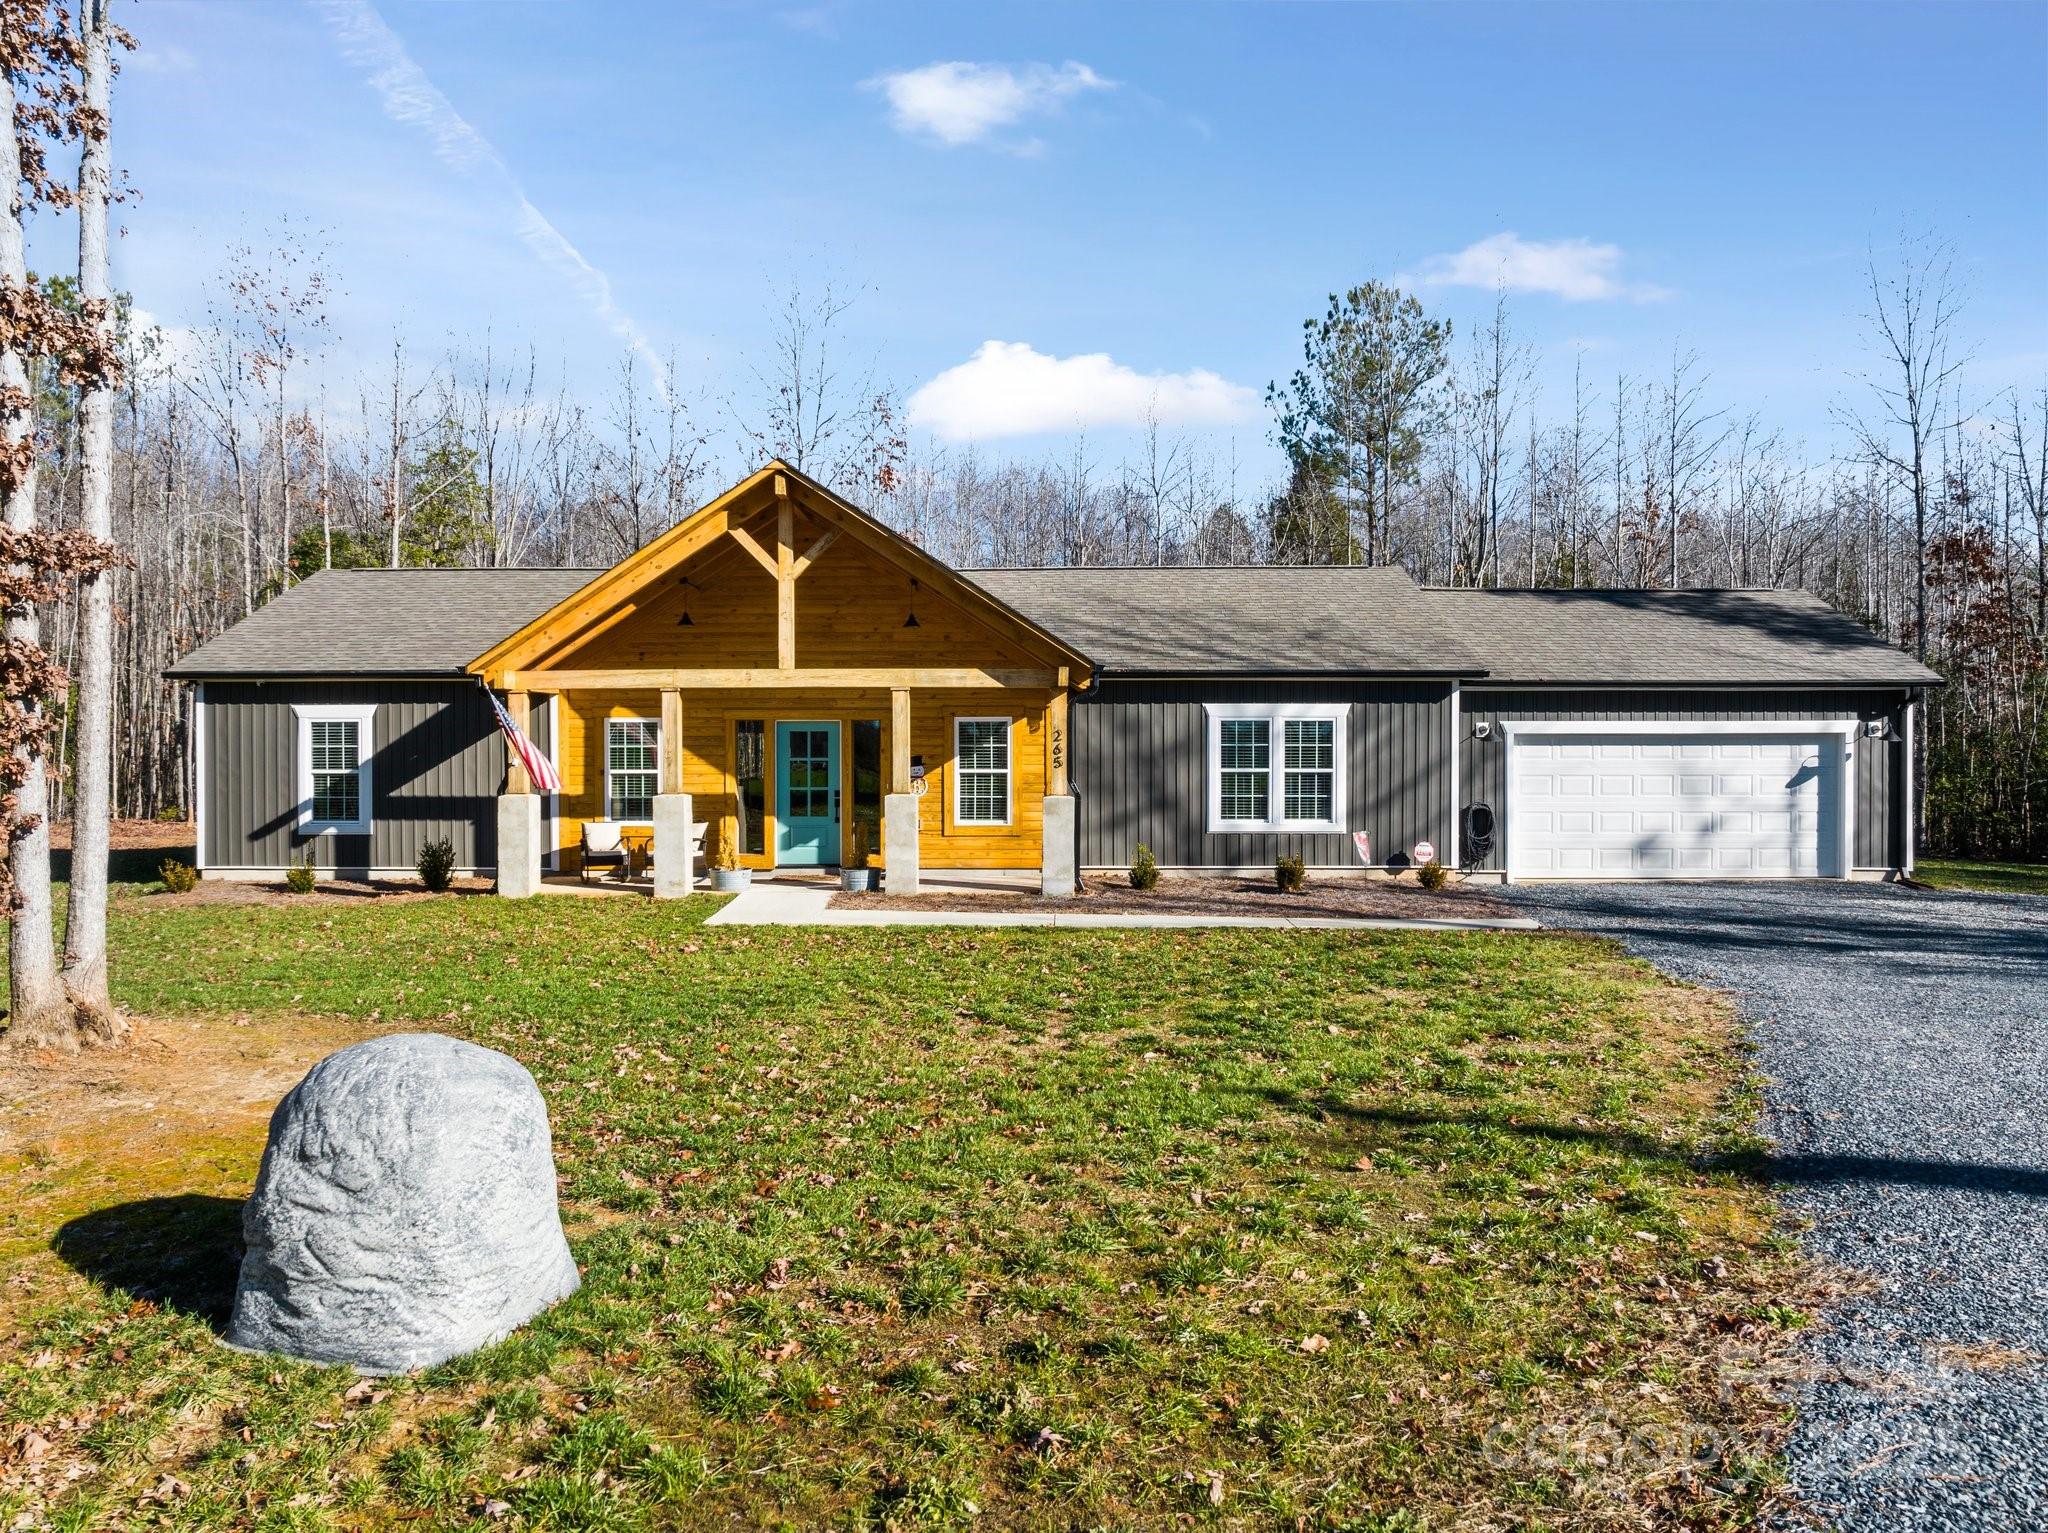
(243,466)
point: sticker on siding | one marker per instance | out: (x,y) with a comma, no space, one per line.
(1423,851)
(1363,842)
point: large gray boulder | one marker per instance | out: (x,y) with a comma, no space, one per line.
(405,1212)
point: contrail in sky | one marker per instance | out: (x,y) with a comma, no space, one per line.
(409,97)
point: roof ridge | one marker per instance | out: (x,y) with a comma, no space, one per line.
(1182,569)
(1626,591)
(459,569)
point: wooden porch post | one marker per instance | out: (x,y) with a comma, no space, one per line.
(519,833)
(1056,865)
(674,856)
(520,706)
(1056,743)
(899,740)
(899,805)
(671,741)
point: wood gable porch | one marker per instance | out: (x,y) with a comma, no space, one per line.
(780,652)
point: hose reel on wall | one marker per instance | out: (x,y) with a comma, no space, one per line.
(1475,843)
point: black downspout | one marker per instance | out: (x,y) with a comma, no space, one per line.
(1073,758)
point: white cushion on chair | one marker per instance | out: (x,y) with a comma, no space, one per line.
(602,835)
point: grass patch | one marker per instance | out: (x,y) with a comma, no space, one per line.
(1993,877)
(922,1227)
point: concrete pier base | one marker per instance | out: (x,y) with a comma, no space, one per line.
(518,845)
(899,843)
(675,873)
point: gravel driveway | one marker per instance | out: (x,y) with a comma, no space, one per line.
(1905,1037)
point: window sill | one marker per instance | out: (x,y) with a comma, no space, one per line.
(1276,828)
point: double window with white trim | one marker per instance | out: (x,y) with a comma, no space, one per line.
(632,767)
(336,741)
(1275,767)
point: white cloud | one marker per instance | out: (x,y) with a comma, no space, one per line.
(176,346)
(960,103)
(157,58)
(1007,388)
(1576,270)
(412,99)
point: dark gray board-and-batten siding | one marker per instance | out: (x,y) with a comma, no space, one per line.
(1141,764)
(437,765)
(1879,829)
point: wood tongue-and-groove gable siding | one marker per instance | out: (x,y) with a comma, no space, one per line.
(851,611)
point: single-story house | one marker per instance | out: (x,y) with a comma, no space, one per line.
(787,670)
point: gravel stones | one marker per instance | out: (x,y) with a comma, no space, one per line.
(1905,1038)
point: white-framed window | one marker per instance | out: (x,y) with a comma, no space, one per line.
(981,771)
(632,768)
(336,742)
(1276,767)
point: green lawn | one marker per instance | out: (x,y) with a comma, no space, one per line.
(928,1228)
(1997,877)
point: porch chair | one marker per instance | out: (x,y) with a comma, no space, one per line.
(697,862)
(602,847)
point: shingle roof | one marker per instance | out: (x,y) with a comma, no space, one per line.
(1170,621)
(1194,621)
(381,623)
(1735,638)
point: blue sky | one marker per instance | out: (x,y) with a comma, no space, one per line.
(1137,204)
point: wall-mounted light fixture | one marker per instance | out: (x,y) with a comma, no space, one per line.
(1482,730)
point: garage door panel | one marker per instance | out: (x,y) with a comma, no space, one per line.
(1664,807)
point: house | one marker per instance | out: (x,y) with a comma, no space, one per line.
(784,667)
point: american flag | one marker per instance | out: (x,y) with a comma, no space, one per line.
(545,778)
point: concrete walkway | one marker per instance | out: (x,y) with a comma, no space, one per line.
(778,902)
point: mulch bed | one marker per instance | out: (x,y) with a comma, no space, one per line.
(329,891)
(1343,898)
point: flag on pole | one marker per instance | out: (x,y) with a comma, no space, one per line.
(545,778)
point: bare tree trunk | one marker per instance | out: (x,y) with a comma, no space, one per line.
(394,505)
(38,1014)
(92,809)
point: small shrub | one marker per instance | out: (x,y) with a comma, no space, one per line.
(437,865)
(1291,874)
(170,814)
(179,877)
(299,878)
(1432,875)
(1144,867)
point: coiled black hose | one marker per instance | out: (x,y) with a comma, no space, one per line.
(1477,841)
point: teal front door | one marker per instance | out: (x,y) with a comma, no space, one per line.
(806,795)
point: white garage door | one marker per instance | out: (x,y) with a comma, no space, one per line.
(1670,806)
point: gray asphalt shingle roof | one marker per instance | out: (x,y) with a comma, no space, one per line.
(1266,620)
(382,623)
(1736,638)
(1161,621)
